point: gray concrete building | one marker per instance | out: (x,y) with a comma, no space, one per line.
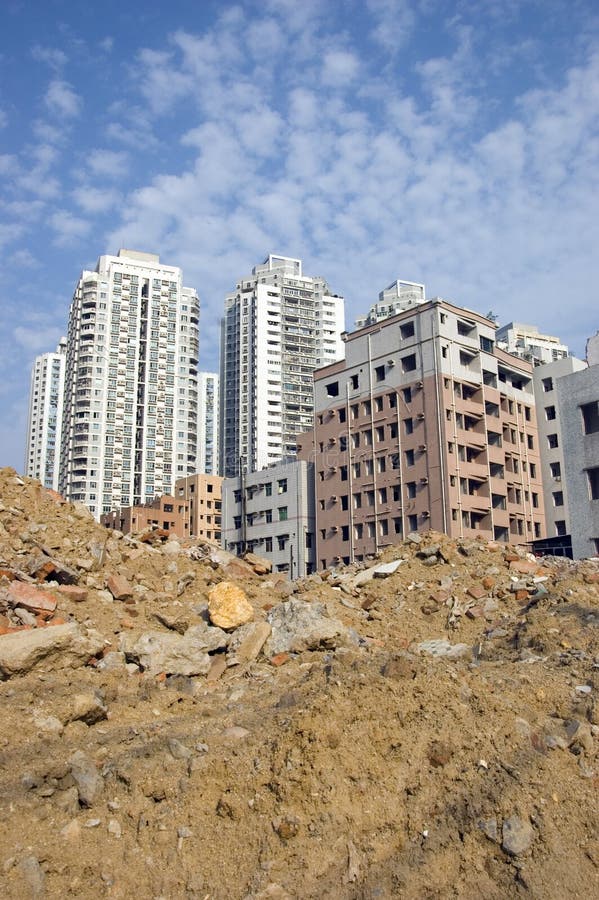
(551,444)
(578,398)
(271,512)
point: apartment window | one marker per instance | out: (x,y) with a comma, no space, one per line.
(413,522)
(342,414)
(383,495)
(355,410)
(558,498)
(397,524)
(333,389)
(384,527)
(378,404)
(397,493)
(268,516)
(358,531)
(354,382)
(268,489)
(406,330)
(409,457)
(590,417)
(369,498)
(379,373)
(527,413)
(408,425)
(407,394)
(381,464)
(268,544)
(282,514)
(380,433)
(408,363)
(356,469)
(411,489)
(593,479)
(552,441)
(550,413)
(357,501)
(345,532)
(392,400)
(282,541)
(547,384)
(345,502)
(343,472)
(555,469)
(533,470)
(560,527)
(282,486)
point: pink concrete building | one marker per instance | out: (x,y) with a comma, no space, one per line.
(425,425)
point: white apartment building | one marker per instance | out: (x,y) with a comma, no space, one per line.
(44,421)
(130,422)
(526,342)
(279,326)
(399,296)
(208,423)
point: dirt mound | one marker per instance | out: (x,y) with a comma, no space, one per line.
(421,726)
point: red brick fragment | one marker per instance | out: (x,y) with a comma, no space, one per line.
(29,597)
(279,659)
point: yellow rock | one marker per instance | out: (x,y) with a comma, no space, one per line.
(228,605)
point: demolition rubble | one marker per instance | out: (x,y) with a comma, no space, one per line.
(178,722)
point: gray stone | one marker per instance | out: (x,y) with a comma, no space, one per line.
(440,647)
(386,569)
(414,538)
(33,876)
(86,777)
(517,836)
(178,750)
(172,653)
(86,708)
(489,828)
(247,642)
(60,645)
(297,626)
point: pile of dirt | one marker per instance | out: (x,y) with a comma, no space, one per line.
(181,723)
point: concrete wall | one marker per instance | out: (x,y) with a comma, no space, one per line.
(581,456)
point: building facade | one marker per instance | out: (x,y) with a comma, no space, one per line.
(44,421)
(398,297)
(279,326)
(208,423)
(203,497)
(425,425)
(526,341)
(578,399)
(271,512)
(165,513)
(551,444)
(130,423)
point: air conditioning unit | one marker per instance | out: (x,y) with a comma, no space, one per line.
(334,529)
(390,363)
(424,480)
(426,514)
(422,448)
(421,417)
(332,440)
(332,468)
(420,384)
(334,498)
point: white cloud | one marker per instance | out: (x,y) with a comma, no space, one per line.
(340,68)
(393,23)
(50,55)
(96,200)
(108,163)
(68,228)
(62,100)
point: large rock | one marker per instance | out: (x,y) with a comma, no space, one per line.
(175,654)
(228,605)
(297,626)
(57,646)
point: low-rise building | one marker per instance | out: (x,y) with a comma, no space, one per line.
(271,513)
(426,424)
(166,513)
(203,496)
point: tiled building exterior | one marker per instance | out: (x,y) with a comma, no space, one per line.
(203,496)
(44,423)
(279,325)
(425,425)
(271,512)
(165,513)
(130,421)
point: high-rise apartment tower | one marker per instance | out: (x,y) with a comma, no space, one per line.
(208,423)
(131,386)
(45,416)
(279,326)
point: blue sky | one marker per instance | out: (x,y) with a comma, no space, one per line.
(453,143)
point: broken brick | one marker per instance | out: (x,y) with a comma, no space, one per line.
(29,597)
